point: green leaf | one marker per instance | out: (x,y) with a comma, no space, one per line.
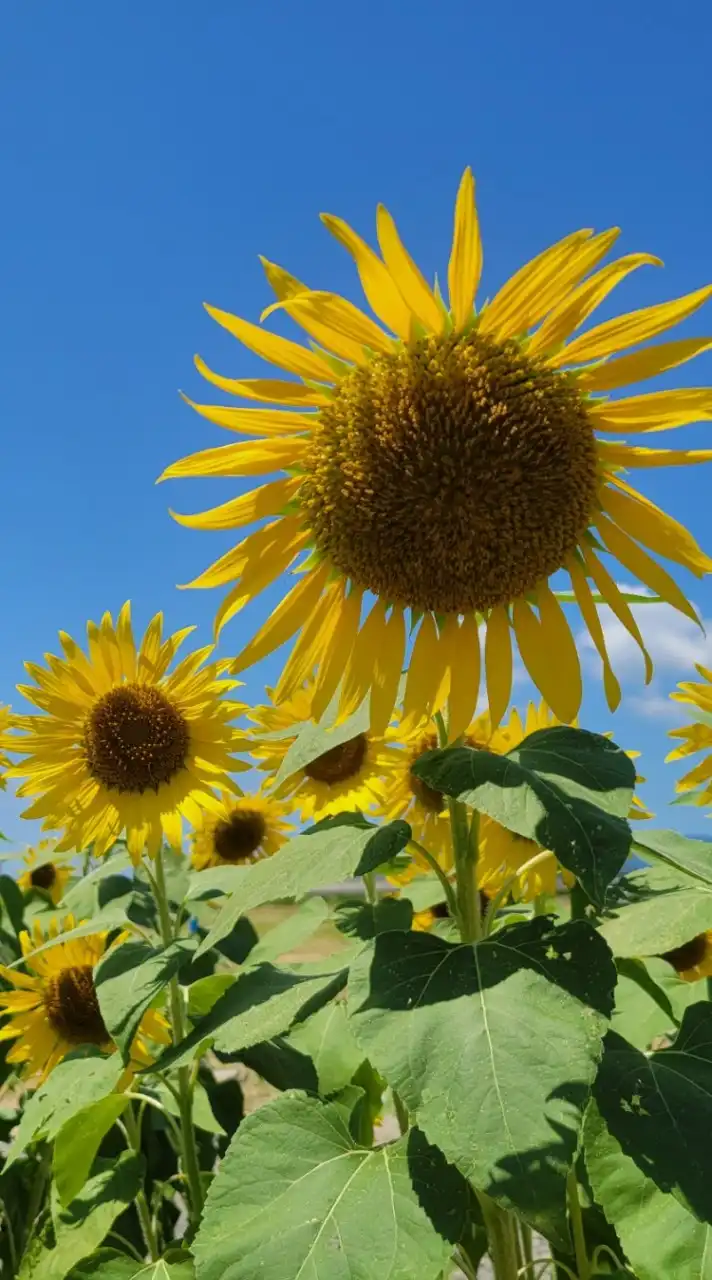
(81,1228)
(641,1016)
(261,1003)
(72,1085)
(78,1141)
(662,1241)
(12,902)
(129,977)
(204,993)
(330,853)
(493,1047)
(107,920)
(203,1117)
(365,919)
(659,1108)
(694,857)
(636,971)
(328,1040)
(291,932)
(385,844)
(672,907)
(314,740)
(109,1264)
(81,897)
(295,1196)
(567,789)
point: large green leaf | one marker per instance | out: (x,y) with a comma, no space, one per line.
(109,1264)
(567,789)
(659,1108)
(290,933)
(331,852)
(694,857)
(314,740)
(128,979)
(78,1141)
(261,1003)
(295,1196)
(328,1040)
(112,918)
(662,1241)
(644,1013)
(80,1228)
(12,903)
(493,1048)
(81,897)
(365,919)
(665,909)
(70,1087)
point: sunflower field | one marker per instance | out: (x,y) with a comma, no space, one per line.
(358,984)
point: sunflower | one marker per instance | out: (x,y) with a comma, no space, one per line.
(693,960)
(351,775)
(447,461)
(244,829)
(54,1009)
(696,736)
(122,745)
(42,873)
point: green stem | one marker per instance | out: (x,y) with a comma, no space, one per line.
(191,1167)
(500,1238)
(146,1100)
(12,1251)
(133,1131)
(525,1233)
(37,1195)
(582,1263)
(442,877)
(369,884)
(465,845)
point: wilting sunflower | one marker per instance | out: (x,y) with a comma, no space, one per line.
(54,1009)
(693,960)
(695,737)
(122,745)
(244,829)
(349,776)
(42,873)
(447,461)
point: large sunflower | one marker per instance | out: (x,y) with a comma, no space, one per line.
(41,872)
(122,745)
(696,736)
(352,775)
(448,461)
(244,829)
(54,1009)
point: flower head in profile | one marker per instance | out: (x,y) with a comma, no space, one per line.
(693,960)
(54,1008)
(121,743)
(43,873)
(244,829)
(441,464)
(351,775)
(695,737)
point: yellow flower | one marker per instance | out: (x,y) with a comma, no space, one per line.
(696,736)
(448,462)
(122,745)
(4,762)
(244,829)
(42,873)
(349,776)
(693,960)
(54,1009)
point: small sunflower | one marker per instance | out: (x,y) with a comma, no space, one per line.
(352,775)
(242,830)
(122,745)
(696,737)
(54,1009)
(42,873)
(693,960)
(449,461)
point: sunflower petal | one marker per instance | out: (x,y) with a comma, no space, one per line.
(383,297)
(284,284)
(646,570)
(412,285)
(628,455)
(465,662)
(358,672)
(248,458)
(498,664)
(424,674)
(589,613)
(337,324)
(573,310)
(659,411)
(387,671)
(641,364)
(629,330)
(311,644)
(510,310)
(617,603)
(271,389)
(254,422)
(290,614)
(266,500)
(280,351)
(465,267)
(562,655)
(648,524)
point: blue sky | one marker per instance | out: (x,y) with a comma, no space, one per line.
(151,152)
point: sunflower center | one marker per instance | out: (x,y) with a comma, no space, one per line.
(44,876)
(73,1009)
(689,954)
(237,838)
(135,739)
(338,764)
(452,475)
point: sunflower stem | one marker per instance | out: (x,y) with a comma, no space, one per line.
(133,1131)
(434,865)
(582,1263)
(501,1240)
(369,884)
(191,1167)
(465,845)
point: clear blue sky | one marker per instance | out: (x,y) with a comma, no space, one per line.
(151,151)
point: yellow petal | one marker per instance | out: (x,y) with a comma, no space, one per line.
(285,285)
(498,664)
(641,364)
(255,547)
(412,285)
(259,572)
(387,671)
(271,389)
(358,671)
(267,500)
(654,528)
(254,422)
(465,267)
(172,829)
(646,570)
(311,644)
(574,309)
(628,330)
(628,455)
(337,324)
(617,603)
(589,613)
(248,458)
(383,296)
(464,642)
(658,411)
(562,655)
(338,654)
(288,617)
(424,674)
(280,351)
(125,639)
(541,648)
(510,310)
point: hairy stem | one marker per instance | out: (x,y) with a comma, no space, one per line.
(133,1131)
(500,1237)
(582,1263)
(465,845)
